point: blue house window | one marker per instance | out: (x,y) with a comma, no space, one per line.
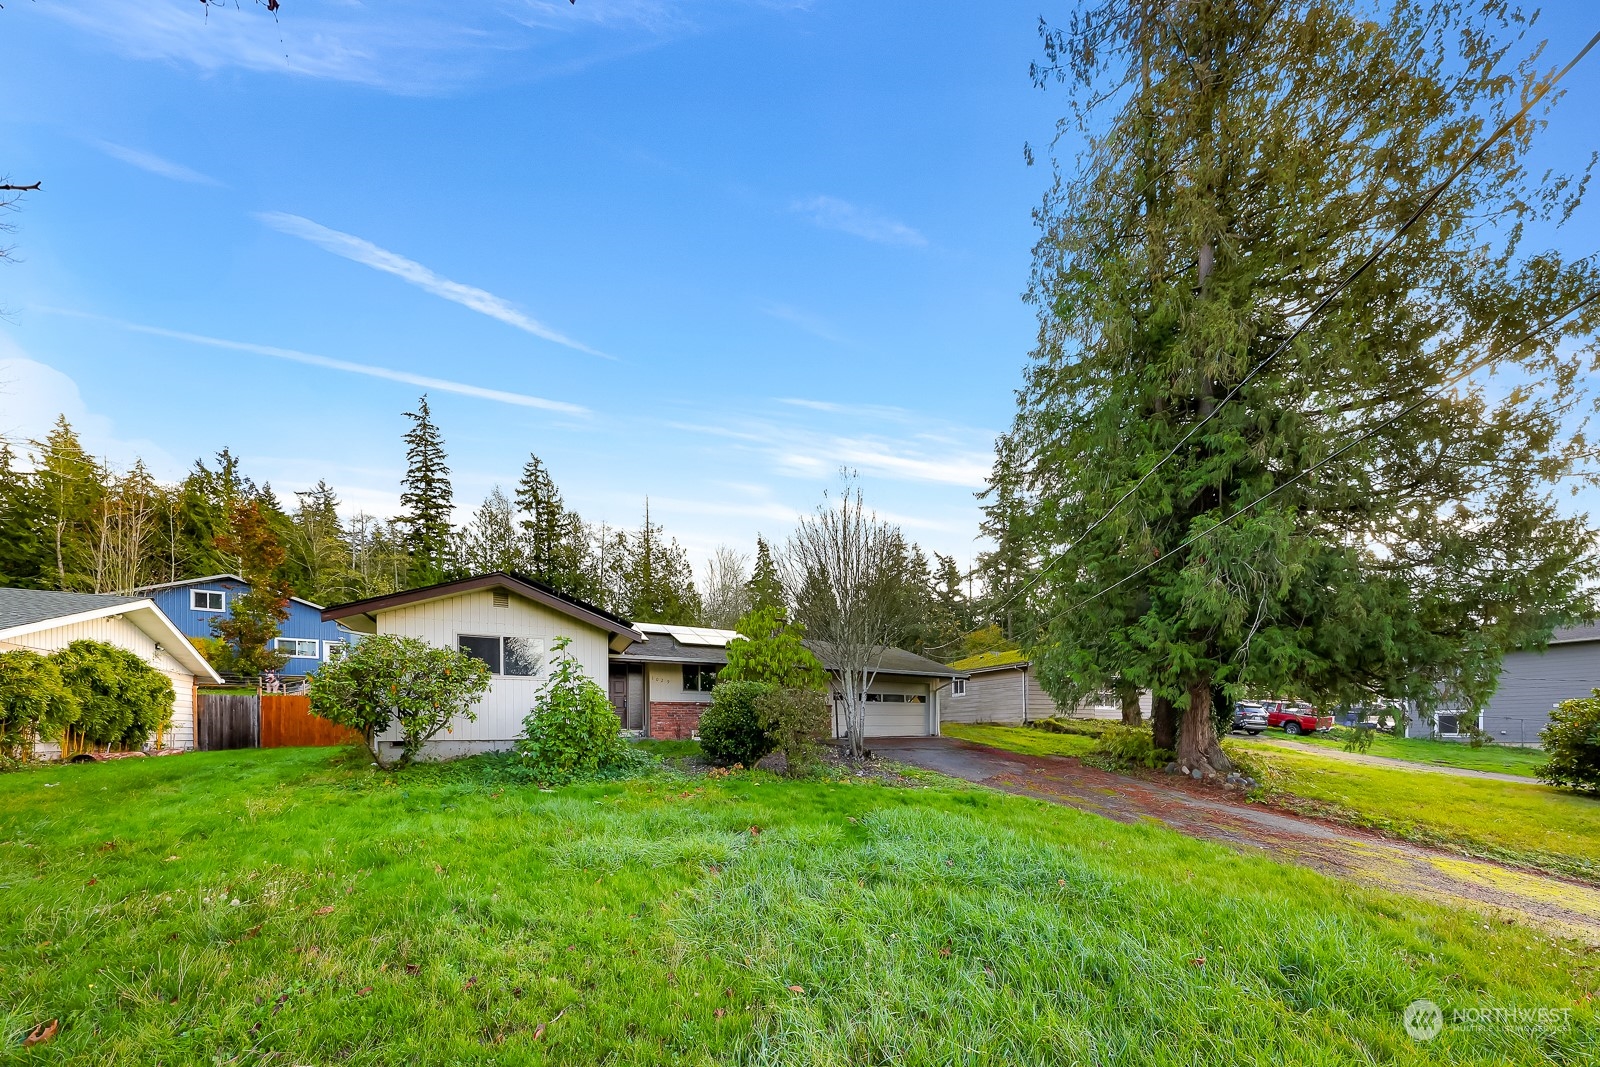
(298,647)
(207,599)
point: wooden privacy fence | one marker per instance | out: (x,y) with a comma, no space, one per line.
(227,720)
(286,721)
(268,720)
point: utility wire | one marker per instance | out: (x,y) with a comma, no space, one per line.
(1321,306)
(1430,395)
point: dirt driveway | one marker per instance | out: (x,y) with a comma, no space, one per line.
(1556,904)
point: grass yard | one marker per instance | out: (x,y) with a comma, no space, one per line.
(1502,758)
(1029,742)
(1535,824)
(295,906)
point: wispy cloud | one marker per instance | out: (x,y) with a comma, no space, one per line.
(832,213)
(409,270)
(808,451)
(408,47)
(155,164)
(443,385)
(809,323)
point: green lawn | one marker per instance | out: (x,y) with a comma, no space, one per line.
(1502,758)
(1029,742)
(294,906)
(1534,824)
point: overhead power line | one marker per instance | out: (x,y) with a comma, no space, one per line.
(1432,394)
(1321,306)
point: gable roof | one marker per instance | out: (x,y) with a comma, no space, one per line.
(985,661)
(215,578)
(619,630)
(664,644)
(29,611)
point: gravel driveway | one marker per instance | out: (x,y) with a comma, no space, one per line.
(1560,905)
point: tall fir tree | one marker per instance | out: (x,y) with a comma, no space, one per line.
(1241,158)
(658,582)
(70,487)
(766,586)
(556,543)
(427,500)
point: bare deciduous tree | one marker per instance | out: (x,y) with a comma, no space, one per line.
(839,568)
(726,595)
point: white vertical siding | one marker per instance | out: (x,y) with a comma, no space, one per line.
(113,630)
(500,713)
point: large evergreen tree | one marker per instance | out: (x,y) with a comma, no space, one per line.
(555,541)
(1242,158)
(427,500)
(657,580)
(491,540)
(251,624)
(766,585)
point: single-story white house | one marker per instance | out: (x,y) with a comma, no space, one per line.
(44,620)
(659,677)
(506,620)
(661,684)
(1002,687)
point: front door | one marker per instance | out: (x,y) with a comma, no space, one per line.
(619,696)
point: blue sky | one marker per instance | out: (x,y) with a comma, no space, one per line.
(705,252)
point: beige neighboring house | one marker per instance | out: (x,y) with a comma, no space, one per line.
(511,623)
(1002,687)
(43,620)
(661,684)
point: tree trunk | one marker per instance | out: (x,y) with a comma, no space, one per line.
(1131,715)
(1163,722)
(1198,748)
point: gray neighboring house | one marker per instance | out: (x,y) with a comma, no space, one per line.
(661,685)
(1002,687)
(1531,685)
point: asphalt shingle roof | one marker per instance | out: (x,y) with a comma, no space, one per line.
(663,648)
(22,607)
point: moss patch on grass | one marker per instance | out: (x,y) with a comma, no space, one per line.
(1538,825)
(295,905)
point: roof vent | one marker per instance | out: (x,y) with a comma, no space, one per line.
(502,599)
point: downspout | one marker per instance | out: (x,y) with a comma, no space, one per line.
(1025,693)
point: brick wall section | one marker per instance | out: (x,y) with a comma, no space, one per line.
(674,721)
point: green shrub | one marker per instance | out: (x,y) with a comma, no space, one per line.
(35,703)
(573,731)
(730,729)
(388,679)
(1127,746)
(795,721)
(1573,741)
(122,699)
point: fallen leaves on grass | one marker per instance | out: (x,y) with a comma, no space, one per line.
(41,1033)
(797,989)
(363,991)
(1198,961)
(538,1031)
(413,968)
(279,1003)
(325,910)
(472,981)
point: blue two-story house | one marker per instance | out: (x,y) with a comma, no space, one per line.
(192,604)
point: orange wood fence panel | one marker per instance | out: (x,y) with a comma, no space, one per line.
(286,721)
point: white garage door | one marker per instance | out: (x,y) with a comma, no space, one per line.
(897,715)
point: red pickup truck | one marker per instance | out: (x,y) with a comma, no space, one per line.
(1296,719)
